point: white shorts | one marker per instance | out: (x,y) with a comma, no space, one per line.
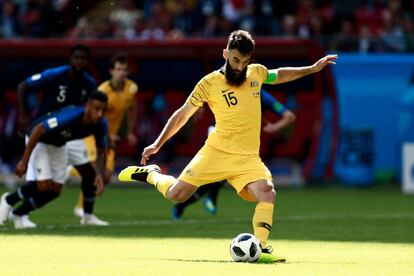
(47,162)
(77,152)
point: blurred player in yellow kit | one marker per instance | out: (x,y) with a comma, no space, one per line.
(121,101)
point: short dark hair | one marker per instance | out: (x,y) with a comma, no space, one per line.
(98,96)
(120,57)
(81,48)
(242,41)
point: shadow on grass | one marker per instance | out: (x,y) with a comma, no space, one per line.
(369,215)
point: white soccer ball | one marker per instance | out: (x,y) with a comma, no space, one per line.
(245,248)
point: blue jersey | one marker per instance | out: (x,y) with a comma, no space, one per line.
(66,124)
(270,103)
(60,88)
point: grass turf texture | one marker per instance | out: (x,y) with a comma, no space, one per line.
(320,231)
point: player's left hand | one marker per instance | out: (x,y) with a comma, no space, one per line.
(21,168)
(100,187)
(148,151)
(269,127)
(320,64)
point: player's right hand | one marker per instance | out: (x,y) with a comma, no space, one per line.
(148,151)
(100,187)
(21,168)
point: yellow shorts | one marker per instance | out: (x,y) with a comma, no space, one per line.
(211,165)
(91,149)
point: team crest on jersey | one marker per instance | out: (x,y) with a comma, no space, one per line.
(189,172)
(52,122)
(36,77)
(66,134)
(256,94)
(254,84)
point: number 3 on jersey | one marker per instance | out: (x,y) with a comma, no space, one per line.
(62,93)
(230,99)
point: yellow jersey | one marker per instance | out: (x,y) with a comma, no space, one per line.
(118,102)
(237,109)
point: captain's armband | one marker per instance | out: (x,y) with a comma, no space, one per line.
(271,77)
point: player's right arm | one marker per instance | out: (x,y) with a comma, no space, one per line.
(174,124)
(35,135)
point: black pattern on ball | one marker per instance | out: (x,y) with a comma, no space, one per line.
(238,251)
(244,238)
(252,250)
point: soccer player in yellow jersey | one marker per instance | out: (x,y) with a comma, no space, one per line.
(231,151)
(121,100)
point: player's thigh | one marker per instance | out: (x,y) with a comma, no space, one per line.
(207,166)
(47,162)
(77,152)
(246,170)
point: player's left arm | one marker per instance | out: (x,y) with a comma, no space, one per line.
(270,103)
(132,119)
(286,74)
(102,144)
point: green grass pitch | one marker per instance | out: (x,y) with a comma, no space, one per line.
(321,231)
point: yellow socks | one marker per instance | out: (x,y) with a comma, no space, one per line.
(80,201)
(161,181)
(262,221)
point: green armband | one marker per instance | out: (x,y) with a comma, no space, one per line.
(271,77)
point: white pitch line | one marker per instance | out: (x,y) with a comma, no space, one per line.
(226,220)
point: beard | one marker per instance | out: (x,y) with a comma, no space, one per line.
(234,77)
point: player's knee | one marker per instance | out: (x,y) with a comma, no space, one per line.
(87,172)
(45,185)
(175,195)
(266,193)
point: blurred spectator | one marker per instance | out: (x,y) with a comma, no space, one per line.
(289,26)
(392,37)
(346,39)
(123,19)
(34,18)
(9,23)
(366,42)
(263,14)
(408,33)
(344,25)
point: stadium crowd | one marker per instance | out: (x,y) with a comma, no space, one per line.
(339,25)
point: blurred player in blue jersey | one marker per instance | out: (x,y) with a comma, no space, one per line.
(62,86)
(44,160)
(269,103)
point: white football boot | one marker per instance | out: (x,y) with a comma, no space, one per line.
(77,211)
(22,222)
(5,209)
(90,219)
